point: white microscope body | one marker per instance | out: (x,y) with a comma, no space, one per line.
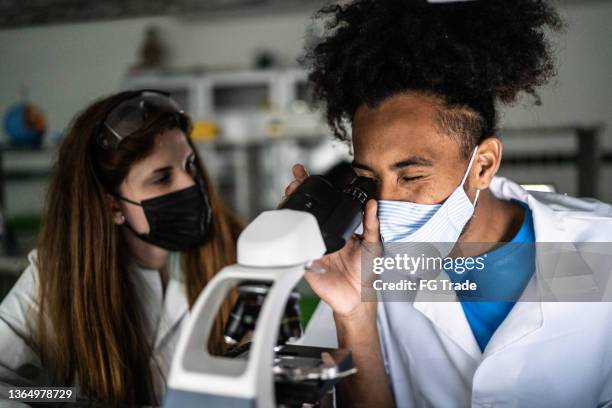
(275,248)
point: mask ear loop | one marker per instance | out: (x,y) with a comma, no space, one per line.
(125,222)
(127,200)
(467,172)
(476,198)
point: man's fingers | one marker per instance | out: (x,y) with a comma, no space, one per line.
(299,172)
(291,187)
(371,231)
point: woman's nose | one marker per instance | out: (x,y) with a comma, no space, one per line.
(184,179)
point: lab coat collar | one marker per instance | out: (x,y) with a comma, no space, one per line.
(174,304)
(525,317)
(175,309)
(548,225)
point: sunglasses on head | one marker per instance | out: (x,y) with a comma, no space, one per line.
(130,114)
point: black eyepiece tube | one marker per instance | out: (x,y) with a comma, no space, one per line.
(338,213)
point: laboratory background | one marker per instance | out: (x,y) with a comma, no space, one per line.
(234,65)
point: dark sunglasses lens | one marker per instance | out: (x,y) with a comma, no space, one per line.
(131,115)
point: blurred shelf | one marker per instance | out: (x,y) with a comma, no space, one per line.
(13,265)
(551,130)
(19,165)
(587,156)
(22,175)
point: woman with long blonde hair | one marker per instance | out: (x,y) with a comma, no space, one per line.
(132,232)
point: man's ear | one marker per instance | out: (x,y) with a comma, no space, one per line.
(487,162)
(118,216)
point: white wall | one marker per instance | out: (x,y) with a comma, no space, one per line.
(66,66)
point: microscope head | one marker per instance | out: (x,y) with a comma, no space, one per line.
(280,238)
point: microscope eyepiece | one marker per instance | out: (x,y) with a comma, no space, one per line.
(338,212)
(361,189)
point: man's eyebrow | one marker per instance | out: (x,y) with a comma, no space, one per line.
(412,161)
(357,165)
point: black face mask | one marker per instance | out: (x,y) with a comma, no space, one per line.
(177,221)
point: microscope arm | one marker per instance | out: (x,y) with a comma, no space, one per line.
(274,248)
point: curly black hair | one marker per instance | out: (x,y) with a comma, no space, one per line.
(469,55)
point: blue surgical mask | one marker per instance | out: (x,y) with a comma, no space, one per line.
(404,221)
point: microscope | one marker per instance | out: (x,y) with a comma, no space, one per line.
(273,252)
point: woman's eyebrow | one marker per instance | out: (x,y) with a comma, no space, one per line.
(162,169)
(151,177)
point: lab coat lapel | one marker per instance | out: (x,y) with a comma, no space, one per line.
(527,315)
(446,313)
(525,318)
(175,308)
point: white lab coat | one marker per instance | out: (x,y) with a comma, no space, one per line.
(544,354)
(165,314)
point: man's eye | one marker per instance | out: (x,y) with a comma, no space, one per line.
(368,176)
(411,178)
(374,180)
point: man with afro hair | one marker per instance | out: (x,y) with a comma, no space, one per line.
(415,87)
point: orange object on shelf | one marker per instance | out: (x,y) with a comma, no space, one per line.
(204,130)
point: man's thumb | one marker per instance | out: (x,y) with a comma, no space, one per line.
(371,232)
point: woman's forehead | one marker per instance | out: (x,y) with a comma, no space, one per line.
(172,140)
(171,148)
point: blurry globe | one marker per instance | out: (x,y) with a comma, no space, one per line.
(25,125)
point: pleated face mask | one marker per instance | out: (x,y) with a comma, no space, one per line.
(405,221)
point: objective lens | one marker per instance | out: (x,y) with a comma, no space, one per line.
(244,314)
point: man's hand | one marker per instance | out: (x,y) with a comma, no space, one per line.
(341,286)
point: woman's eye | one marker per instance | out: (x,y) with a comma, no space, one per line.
(163,179)
(190,166)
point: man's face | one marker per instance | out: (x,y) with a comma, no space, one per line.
(399,145)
